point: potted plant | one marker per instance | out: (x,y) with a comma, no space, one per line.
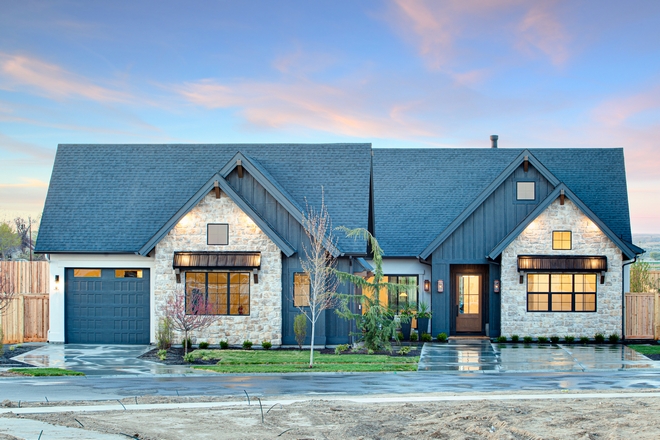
(405,320)
(423,316)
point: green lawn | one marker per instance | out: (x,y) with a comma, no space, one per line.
(261,361)
(45,372)
(646,349)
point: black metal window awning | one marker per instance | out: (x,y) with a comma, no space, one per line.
(562,263)
(217,260)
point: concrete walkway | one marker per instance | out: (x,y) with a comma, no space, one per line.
(100,360)
(482,356)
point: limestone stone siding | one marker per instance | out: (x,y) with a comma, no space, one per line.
(536,239)
(264,323)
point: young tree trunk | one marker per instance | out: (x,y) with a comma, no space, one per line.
(311,346)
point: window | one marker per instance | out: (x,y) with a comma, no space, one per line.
(525,190)
(124,273)
(217,234)
(561,292)
(562,240)
(87,273)
(397,299)
(301,289)
(225,293)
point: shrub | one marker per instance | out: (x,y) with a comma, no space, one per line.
(413,337)
(599,338)
(247,344)
(399,336)
(426,337)
(569,339)
(203,345)
(584,339)
(12,347)
(404,350)
(554,339)
(187,343)
(224,344)
(162,354)
(341,348)
(188,357)
(515,338)
(442,337)
(370,351)
(266,345)
(164,333)
(527,339)
(300,329)
(501,338)
(542,339)
(613,338)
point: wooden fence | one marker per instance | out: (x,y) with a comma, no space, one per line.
(642,320)
(27,317)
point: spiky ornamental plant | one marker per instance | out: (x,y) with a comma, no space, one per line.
(375,322)
(318,263)
(196,315)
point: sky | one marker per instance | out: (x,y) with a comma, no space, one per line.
(395,73)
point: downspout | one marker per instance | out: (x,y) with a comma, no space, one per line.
(351,330)
(623,298)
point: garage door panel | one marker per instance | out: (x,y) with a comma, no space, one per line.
(107,311)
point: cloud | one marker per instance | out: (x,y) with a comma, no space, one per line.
(451,34)
(345,109)
(619,110)
(14,146)
(52,81)
(27,183)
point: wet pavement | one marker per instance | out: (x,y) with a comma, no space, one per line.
(100,360)
(482,356)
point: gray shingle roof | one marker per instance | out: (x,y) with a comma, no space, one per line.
(418,192)
(114,198)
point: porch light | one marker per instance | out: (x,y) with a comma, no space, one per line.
(177,272)
(602,277)
(522,277)
(57,278)
(427,285)
(255,275)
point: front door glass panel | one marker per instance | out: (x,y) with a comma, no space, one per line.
(468,294)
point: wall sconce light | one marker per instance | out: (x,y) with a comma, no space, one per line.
(57,278)
(441,286)
(496,286)
(602,277)
(178,276)
(427,285)
(255,275)
(522,277)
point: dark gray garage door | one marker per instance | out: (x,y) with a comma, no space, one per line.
(107,306)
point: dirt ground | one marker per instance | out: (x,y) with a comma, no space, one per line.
(606,418)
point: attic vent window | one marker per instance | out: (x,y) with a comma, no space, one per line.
(525,191)
(217,234)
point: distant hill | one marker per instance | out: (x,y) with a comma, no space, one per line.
(650,243)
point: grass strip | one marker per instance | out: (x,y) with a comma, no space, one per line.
(646,349)
(45,372)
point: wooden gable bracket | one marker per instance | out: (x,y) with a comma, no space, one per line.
(239,167)
(216,188)
(562,196)
(526,164)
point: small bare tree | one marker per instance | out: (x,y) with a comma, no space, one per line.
(7,292)
(318,263)
(196,316)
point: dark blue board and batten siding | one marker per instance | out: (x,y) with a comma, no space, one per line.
(479,233)
(330,328)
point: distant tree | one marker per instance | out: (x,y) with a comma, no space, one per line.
(8,239)
(654,255)
(6,293)
(185,318)
(640,278)
(318,264)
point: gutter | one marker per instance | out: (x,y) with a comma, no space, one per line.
(623,298)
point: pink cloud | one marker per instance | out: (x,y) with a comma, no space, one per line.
(541,30)
(337,109)
(14,146)
(52,81)
(617,111)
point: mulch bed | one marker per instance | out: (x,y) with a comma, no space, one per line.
(7,354)
(175,355)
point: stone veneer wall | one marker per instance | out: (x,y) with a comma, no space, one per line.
(536,239)
(265,320)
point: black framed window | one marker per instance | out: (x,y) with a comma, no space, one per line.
(301,289)
(562,240)
(525,191)
(224,293)
(399,298)
(217,234)
(561,292)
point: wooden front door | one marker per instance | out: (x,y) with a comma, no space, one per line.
(469,298)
